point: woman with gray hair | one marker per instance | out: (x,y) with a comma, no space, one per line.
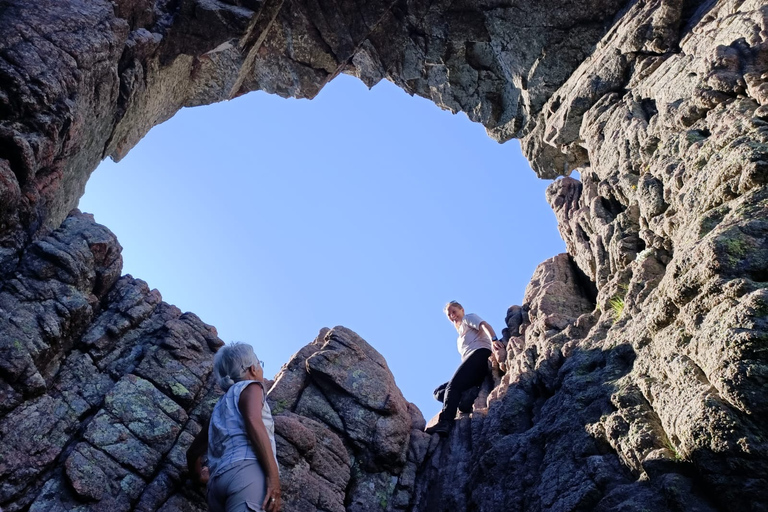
(242,473)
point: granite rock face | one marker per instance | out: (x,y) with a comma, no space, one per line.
(636,368)
(659,386)
(103,384)
(346,437)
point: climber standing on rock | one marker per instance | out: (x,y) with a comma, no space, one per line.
(242,473)
(475,341)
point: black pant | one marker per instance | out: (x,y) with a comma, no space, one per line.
(469,374)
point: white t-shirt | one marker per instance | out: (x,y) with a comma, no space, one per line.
(471,337)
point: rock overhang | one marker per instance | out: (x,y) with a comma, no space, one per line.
(665,102)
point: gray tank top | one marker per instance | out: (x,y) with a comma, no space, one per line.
(228,440)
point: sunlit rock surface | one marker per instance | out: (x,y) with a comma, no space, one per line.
(347,439)
(636,367)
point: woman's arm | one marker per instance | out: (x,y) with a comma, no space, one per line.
(486,327)
(195,453)
(250,404)
(497,347)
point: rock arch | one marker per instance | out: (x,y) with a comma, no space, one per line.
(651,390)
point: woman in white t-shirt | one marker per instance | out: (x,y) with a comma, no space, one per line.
(241,472)
(475,340)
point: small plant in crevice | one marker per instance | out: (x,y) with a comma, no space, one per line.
(617,306)
(678,457)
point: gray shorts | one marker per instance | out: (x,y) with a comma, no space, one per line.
(240,488)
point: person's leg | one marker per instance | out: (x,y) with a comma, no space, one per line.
(439,392)
(217,494)
(470,373)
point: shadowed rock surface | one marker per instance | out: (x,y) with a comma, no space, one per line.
(83,80)
(103,384)
(636,366)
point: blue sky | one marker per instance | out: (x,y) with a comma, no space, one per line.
(271,218)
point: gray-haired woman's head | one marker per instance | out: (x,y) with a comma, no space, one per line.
(231,363)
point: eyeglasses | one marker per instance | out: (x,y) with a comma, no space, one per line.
(261,363)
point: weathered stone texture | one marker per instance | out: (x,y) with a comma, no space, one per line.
(497,62)
(636,367)
(670,220)
(59,85)
(81,424)
(84,80)
(667,226)
(346,437)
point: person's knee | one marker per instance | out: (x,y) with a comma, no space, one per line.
(439,392)
(454,387)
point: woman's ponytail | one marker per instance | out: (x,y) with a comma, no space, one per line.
(225,382)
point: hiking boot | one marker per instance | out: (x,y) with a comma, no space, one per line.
(442,427)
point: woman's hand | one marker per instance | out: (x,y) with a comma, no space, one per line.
(272,501)
(499,351)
